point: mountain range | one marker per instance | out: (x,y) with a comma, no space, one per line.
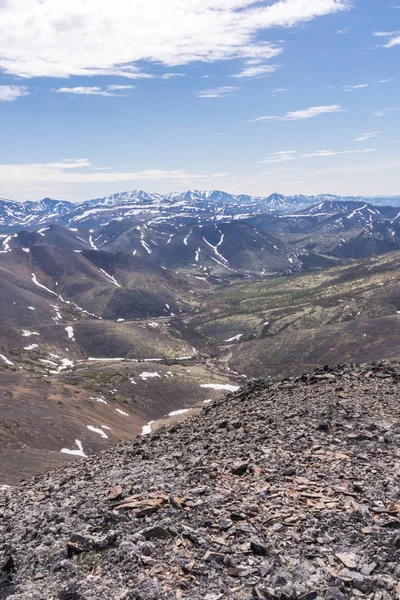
(136,308)
(222,205)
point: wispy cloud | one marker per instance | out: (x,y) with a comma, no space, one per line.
(9,93)
(385,80)
(123,38)
(116,88)
(69,163)
(308,113)
(393,38)
(72,177)
(60,172)
(386,33)
(326,153)
(94,90)
(171,75)
(279,90)
(278,157)
(367,136)
(343,31)
(350,88)
(220,175)
(219,92)
(359,86)
(256,71)
(384,112)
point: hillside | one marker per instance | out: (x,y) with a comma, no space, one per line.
(288,325)
(287,489)
(341,229)
(44,410)
(96,344)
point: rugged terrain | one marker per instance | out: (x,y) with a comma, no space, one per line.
(288,489)
(288,325)
(117,312)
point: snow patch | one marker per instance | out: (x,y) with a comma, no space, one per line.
(97,430)
(35,281)
(100,399)
(6,360)
(235,338)
(181,411)
(220,386)
(91,242)
(78,452)
(121,412)
(146,429)
(115,282)
(26,333)
(70,331)
(148,375)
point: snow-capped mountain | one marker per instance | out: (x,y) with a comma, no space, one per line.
(32,214)
(209,206)
(134,197)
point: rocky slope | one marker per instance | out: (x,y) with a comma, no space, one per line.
(288,489)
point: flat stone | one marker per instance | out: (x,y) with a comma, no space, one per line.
(349,559)
(258,549)
(240,468)
(156,532)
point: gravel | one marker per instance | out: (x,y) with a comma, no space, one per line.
(286,489)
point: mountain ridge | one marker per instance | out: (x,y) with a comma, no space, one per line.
(34,213)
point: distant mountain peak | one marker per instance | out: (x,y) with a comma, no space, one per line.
(213,204)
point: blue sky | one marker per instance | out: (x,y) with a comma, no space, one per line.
(296,96)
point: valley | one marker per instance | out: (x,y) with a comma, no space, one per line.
(123,313)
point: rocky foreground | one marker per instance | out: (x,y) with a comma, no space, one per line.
(287,489)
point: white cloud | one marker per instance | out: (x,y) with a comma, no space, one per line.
(171,75)
(278,157)
(59,172)
(394,38)
(9,93)
(343,31)
(68,178)
(218,92)
(256,71)
(81,37)
(385,80)
(83,91)
(367,136)
(384,112)
(279,90)
(350,88)
(393,42)
(326,153)
(386,33)
(308,113)
(94,90)
(69,163)
(116,88)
